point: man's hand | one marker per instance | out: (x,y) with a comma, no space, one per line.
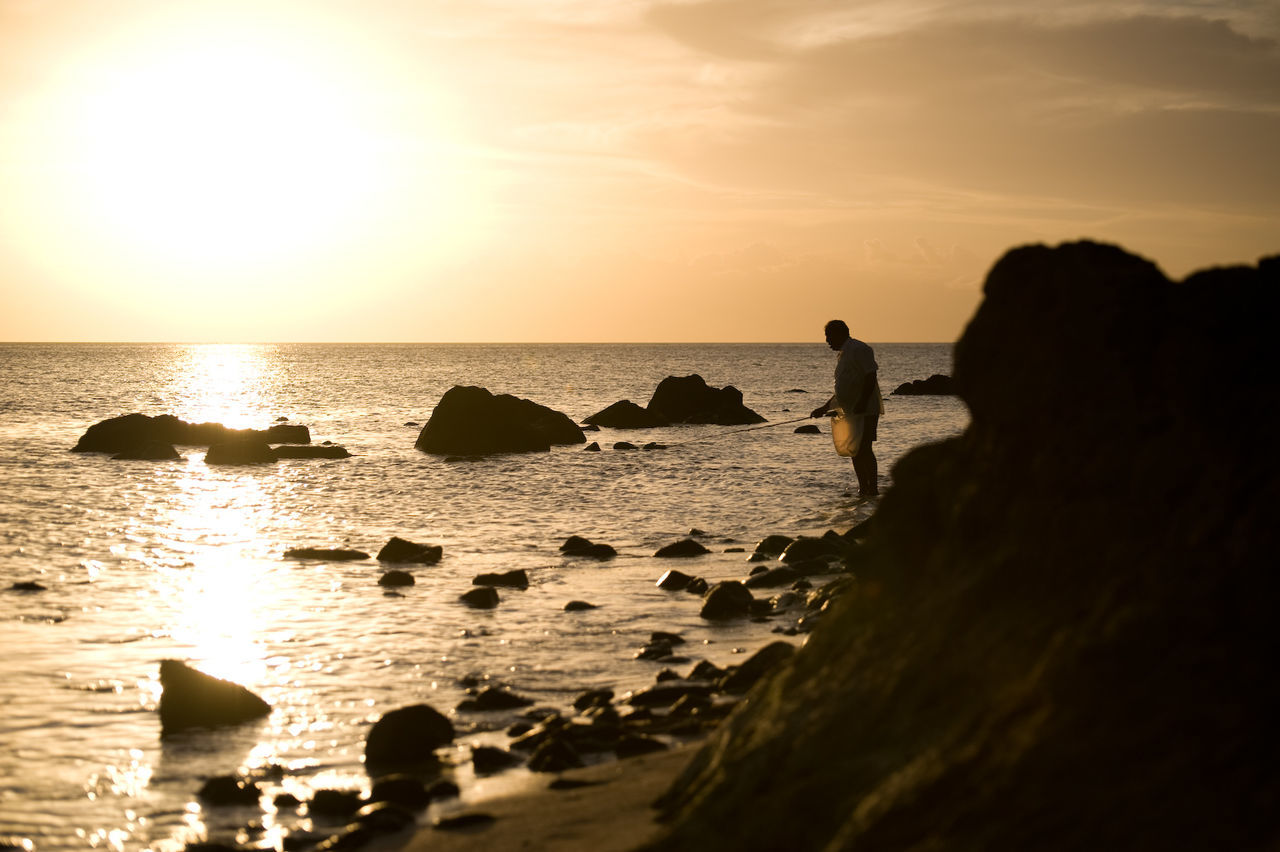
(819,411)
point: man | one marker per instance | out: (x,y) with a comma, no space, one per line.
(857,398)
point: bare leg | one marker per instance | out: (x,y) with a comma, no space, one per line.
(864,465)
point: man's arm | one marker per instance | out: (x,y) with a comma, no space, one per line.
(823,409)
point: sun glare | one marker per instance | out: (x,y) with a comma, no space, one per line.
(236,146)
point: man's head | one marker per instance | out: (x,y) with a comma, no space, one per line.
(837,333)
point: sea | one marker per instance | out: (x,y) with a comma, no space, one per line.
(142,561)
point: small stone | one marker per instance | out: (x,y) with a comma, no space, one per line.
(683,549)
(579,606)
(515,579)
(488,759)
(593,447)
(403,550)
(325,554)
(481,597)
(396,578)
(494,698)
(674,581)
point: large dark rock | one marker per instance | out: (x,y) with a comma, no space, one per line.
(689,399)
(240,451)
(727,599)
(625,414)
(193,699)
(148,451)
(472,421)
(125,434)
(935,385)
(407,735)
(1063,633)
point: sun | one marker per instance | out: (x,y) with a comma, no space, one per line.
(226,145)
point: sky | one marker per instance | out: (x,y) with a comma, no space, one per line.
(608,170)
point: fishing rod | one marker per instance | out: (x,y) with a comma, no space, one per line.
(720,435)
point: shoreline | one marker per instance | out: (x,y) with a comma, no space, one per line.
(606,807)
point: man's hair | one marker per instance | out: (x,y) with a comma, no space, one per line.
(836,325)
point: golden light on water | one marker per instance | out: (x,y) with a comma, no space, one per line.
(223,383)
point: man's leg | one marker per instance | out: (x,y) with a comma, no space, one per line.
(864,465)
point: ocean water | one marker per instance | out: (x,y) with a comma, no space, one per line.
(151,560)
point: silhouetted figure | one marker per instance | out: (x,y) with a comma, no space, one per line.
(857,401)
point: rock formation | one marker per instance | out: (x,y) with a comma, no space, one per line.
(472,421)
(679,399)
(126,434)
(1062,635)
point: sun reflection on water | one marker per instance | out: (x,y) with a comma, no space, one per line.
(223,383)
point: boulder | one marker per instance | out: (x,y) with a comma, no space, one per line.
(625,414)
(401,550)
(407,736)
(625,445)
(193,699)
(473,421)
(229,791)
(401,789)
(727,599)
(683,549)
(593,447)
(935,385)
(767,659)
(674,581)
(689,399)
(514,579)
(809,547)
(481,597)
(773,545)
(493,698)
(490,759)
(808,429)
(576,545)
(1032,654)
(579,606)
(783,575)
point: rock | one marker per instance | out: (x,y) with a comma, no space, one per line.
(349,837)
(472,421)
(494,698)
(193,699)
(934,385)
(626,415)
(241,451)
(462,822)
(727,599)
(773,545)
(488,759)
(334,803)
(807,547)
(991,657)
(625,445)
(514,579)
(674,581)
(683,549)
(481,597)
(767,659)
(325,554)
(593,698)
(579,606)
(781,576)
(705,670)
(653,445)
(554,755)
(808,429)
(396,578)
(402,550)
(403,790)
(229,791)
(689,399)
(589,427)
(697,586)
(578,546)
(315,452)
(406,736)
(593,447)
(668,692)
(285,434)
(28,586)
(385,817)
(634,745)
(148,451)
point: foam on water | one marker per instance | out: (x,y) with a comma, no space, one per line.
(150,560)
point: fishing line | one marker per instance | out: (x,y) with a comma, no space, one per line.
(735,432)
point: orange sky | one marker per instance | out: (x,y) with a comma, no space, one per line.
(580,170)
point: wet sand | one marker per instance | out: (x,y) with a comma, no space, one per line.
(612,813)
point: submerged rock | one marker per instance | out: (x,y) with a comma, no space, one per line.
(129,433)
(325,554)
(481,597)
(402,550)
(193,699)
(240,451)
(473,421)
